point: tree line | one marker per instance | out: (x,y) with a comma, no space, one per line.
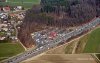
(57,13)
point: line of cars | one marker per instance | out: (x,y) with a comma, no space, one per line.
(53,43)
(42,38)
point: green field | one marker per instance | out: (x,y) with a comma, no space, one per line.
(93,42)
(25,3)
(9,49)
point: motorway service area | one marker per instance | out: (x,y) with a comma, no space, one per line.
(49,31)
(44,44)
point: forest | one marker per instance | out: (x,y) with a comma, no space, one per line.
(57,13)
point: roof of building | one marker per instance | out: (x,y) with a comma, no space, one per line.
(7,8)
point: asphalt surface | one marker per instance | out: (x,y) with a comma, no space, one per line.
(44,43)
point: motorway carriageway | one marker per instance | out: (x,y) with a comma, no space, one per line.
(55,42)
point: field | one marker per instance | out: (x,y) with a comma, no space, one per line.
(8,49)
(89,43)
(25,3)
(81,44)
(62,58)
(93,42)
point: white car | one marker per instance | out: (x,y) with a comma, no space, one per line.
(41,47)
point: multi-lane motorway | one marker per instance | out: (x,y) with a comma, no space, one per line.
(43,44)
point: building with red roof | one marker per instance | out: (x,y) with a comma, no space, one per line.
(6,9)
(52,35)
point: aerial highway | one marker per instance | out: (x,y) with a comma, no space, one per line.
(44,42)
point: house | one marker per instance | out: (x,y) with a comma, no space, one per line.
(12,15)
(2,38)
(20,16)
(18,8)
(13,37)
(3,25)
(5,29)
(6,9)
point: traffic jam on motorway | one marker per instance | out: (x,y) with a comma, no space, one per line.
(44,37)
(51,39)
